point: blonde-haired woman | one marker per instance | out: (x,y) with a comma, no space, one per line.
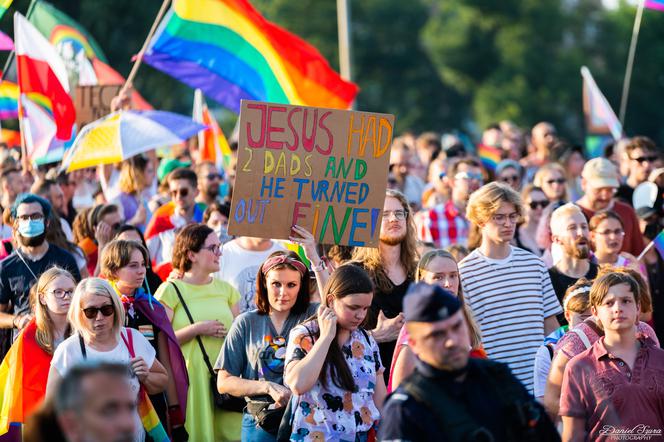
(440,268)
(96,316)
(551,179)
(136,175)
(29,359)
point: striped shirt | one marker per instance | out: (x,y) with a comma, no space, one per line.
(510,299)
(444,225)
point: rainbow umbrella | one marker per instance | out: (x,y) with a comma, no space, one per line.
(123,134)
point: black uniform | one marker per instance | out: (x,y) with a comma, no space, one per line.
(490,404)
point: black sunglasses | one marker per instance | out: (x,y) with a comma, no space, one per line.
(91,312)
(559,181)
(650,159)
(183,192)
(534,204)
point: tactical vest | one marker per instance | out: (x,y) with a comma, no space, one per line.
(458,425)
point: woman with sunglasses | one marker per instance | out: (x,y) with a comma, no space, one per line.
(551,179)
(124,263)
(535,201)
(511,173)
(96,316)
(29,358)
(436,267)
(201,309)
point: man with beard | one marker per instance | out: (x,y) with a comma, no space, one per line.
(209,182)
(507,288)
(446,224)
(599,181)
(392,269)
(569,229)
(451,396)
(33,255)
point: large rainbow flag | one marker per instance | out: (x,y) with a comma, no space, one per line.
(230,52)
(23,376)
(655,4)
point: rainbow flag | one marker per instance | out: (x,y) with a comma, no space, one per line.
(4,5)
(150,419)
(655,4)
(8,100)
(229,51)
(23,376)
(490,156)
(659,243)
(212,142)
(61,29)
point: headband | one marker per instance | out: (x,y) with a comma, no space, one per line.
(283,259)
(575,292)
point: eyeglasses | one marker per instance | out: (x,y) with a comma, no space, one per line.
(184,192)
(468,176)
(31,216)
(106,310)
(500,218)
(400,215)
(216,249)
(617,232)
(648,159)
(61,293)
(511,178)
(535,204)
(556,181)
(214,176)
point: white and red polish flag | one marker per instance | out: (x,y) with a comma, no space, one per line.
(42,76)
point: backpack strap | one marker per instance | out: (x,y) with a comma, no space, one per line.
(582,335)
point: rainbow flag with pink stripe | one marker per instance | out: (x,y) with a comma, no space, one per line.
(655,4)
(659,243)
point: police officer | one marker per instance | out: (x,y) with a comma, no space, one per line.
(451,397)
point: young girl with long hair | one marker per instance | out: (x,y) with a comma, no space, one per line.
(333,365)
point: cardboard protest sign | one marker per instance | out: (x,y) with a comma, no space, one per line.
(93,102)
(322,169)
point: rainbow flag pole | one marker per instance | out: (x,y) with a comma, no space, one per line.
(658,243)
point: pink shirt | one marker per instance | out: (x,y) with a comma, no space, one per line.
(571,343)
(611,397)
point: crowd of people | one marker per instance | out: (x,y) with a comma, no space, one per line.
(509,303)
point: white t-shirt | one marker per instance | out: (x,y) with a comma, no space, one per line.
(239,268)
(510,298)
(68,354)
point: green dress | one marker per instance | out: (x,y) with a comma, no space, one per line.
(204,422)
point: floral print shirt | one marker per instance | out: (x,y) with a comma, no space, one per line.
(331,413)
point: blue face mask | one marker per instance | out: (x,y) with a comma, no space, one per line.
(30,228)
(223,189)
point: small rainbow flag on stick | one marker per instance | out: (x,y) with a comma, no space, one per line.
(490,156)
(655,4)
(658,243)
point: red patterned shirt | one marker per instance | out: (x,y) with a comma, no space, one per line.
(444,225)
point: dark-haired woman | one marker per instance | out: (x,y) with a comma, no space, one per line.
(251,361)
(212,304)
(133,233)
(333,366)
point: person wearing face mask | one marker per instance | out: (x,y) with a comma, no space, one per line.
(216,217)
(32,257)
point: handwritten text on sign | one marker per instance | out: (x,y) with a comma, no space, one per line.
(322,169)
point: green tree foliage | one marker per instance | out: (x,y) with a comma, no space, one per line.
(438,64)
